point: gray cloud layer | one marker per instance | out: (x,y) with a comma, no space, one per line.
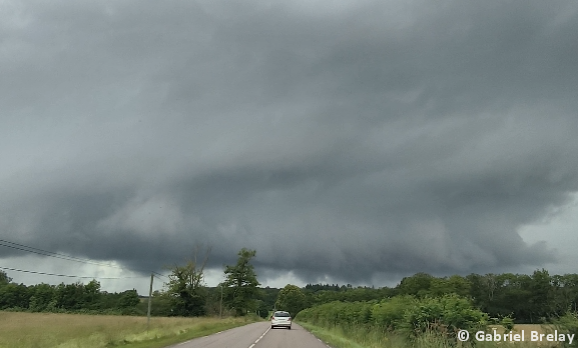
(346,139)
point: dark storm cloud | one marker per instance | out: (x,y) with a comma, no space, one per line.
(340,139)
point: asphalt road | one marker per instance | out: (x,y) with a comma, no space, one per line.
(256,335)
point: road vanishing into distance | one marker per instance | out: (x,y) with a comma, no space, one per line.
(256,335)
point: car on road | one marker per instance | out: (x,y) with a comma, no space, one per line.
(281,319)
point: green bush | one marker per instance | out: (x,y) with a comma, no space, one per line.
(404,316)
(337,313)
(388,313)
(445,315)
(568,323)
(508,323)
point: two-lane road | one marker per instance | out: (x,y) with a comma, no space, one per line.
(256,335)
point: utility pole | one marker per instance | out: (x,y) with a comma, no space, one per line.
(221,306)
(150,301)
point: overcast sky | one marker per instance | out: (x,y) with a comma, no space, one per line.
(346,141)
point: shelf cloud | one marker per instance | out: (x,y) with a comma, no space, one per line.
(355,140)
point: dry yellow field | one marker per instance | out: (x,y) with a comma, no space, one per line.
(48,330)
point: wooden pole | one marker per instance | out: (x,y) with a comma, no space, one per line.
(221,306)
(150,301)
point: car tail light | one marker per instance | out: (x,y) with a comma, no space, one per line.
(289,318)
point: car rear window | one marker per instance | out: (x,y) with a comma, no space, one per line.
(281,314)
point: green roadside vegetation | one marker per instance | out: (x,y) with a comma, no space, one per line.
(422,311)
(337,337)
(410,322)
(402,321)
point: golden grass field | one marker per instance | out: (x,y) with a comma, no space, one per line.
(49,330)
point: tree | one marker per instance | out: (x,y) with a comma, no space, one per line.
(541,289)
(291,299)
(127,302)
(566,292)
(240,285)
(269,297)
(185,288)
(13,296)
(417,285)
(452,285)
(262,309)
(162,305)
(40,297)
(4,278)
(92,294)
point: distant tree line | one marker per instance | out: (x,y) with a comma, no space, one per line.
(535,298)
(185,294)
(76,297)
(427,308)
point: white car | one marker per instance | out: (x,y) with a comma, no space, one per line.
(281,319)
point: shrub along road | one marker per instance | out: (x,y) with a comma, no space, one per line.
(256,335)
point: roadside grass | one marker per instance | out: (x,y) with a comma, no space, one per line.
(356,337)
(337,337)
(49,330)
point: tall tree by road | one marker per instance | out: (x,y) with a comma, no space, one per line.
(240,285)
(186,288)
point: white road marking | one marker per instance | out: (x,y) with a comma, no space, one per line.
(258,339)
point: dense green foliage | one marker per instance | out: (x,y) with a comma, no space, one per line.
(266,301)
(568,323)
(408,315)
(446,315)
(75,297)
(186,292)
(532,299)
(506,298)
(291,299)
(4,278)
(241,285)
(422,308)
(345,293)
(389,313)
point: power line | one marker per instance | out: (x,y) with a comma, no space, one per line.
(38,251)
(43,252)
(64,275)
(162,275)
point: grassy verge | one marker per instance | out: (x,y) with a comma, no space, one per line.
(49,330)
(337,337)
